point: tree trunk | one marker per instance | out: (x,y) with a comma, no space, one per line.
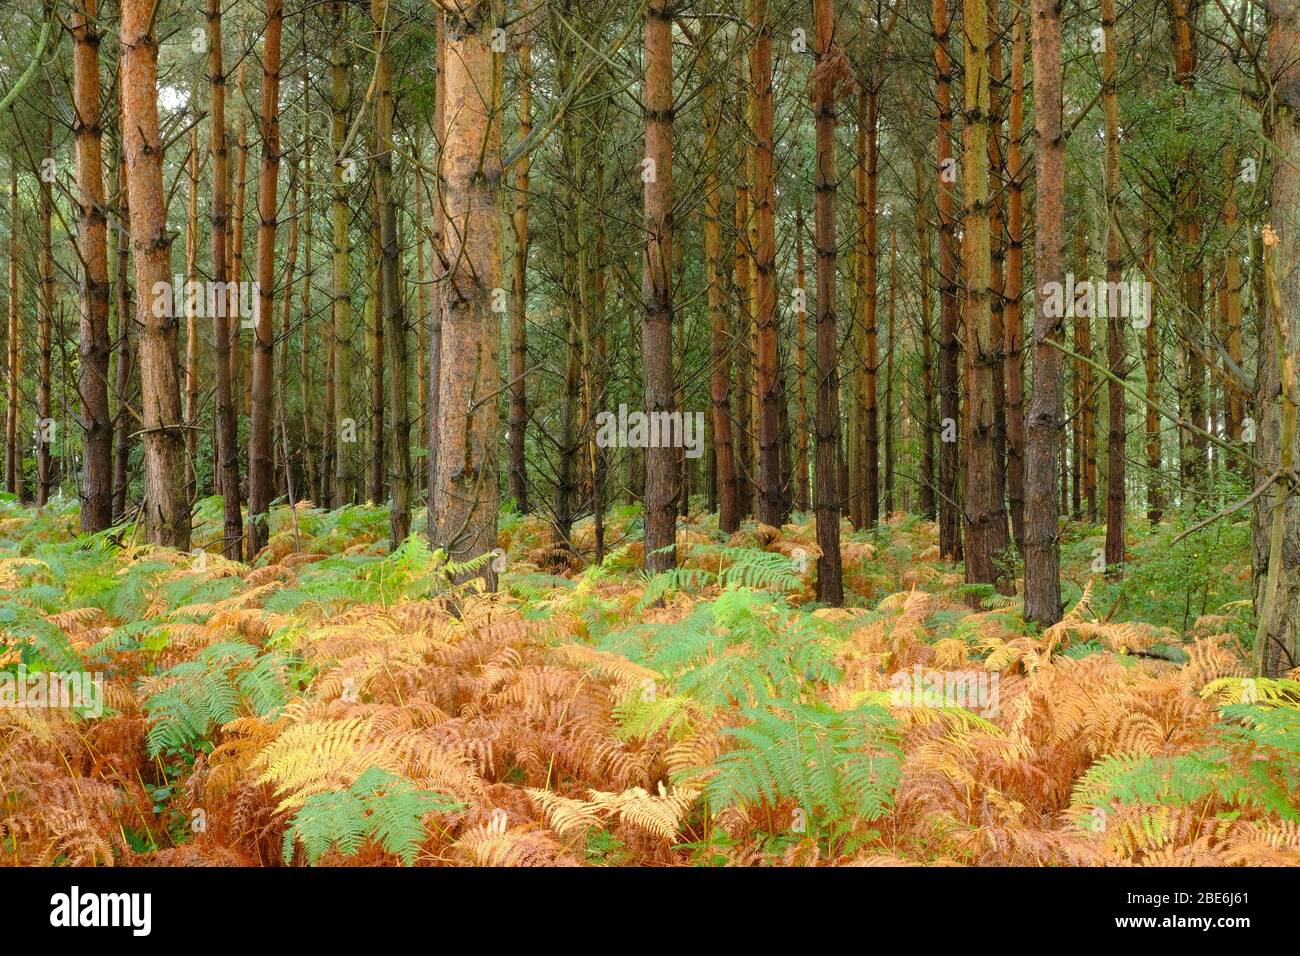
(719,344)
(927,499)
(345,417)
(985,517)
(227,435)
(394,315)
(1117,433)
(949,409)
(765,320)
(656,293)
(518,483)
(1042,543)
(466,494)
(97,451)
(190,405)
(260,466)
(801,365)
(1155,504)
(1277,513)
(45,430)
(166,512)
(13,458)
(1013,333)
(830,583)
(125,318)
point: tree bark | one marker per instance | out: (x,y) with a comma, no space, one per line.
(92,238)
(466,494)
(1276,527)
(166,512)
(227,435)
(656,292)
(1013,290)
(518,482)
(260,465)
(1117,433)
(949,407)
(830,581)
(1042,542)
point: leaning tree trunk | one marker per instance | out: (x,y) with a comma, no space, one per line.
(657,318)
(465,493)
(1277,513)
(1042,544)
(261,475)
(830,579)
(166,512)
(97,441)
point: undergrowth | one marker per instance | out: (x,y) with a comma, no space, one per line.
(337,704)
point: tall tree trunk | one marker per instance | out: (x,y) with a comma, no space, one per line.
(227,435)
(518,482)
(719,344)
(1234,397)
(1042,543)
(985,517)
(166,513)
(260,466)
(765,319)
(830,580)
(868,112)
(13,416)
(92,239)
(374,317)
(740,334)
(927,500)
(345,416)
(45,431)
(889,373)
(125,318)
(1277,512)
(394,315)
(311,487)
(1155,504)
(801,364)
(1117,433)
(949,409)
(1188,261)
(466,494)
(656,292)
(190,404)
(238,375)
(1013,333)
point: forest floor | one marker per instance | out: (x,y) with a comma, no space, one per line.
(337,704)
